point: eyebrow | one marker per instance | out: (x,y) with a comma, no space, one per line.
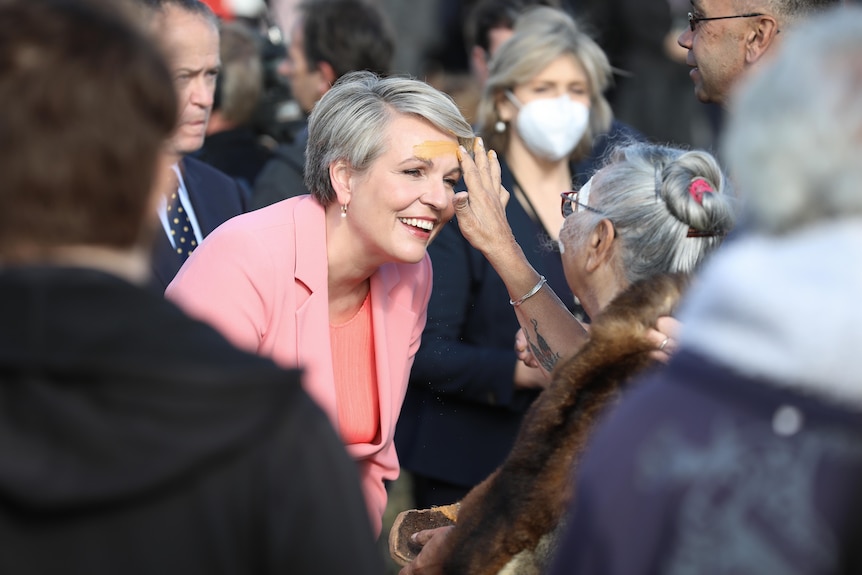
(187,70)
(429,163)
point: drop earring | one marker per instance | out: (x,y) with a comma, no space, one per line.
(343,210)
(500,126)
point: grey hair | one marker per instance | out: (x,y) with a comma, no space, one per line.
(350,121)
(793,142)
(196,7)
(541,35)
(644,191)
(790,12)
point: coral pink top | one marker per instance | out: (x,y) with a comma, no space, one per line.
(355,377)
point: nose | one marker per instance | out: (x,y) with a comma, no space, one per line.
(685,37)
(203,92)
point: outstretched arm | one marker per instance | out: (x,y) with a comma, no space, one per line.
(552,331)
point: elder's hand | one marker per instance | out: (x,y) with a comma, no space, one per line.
(481,210)
(430,560)
(523,349)
(664,336)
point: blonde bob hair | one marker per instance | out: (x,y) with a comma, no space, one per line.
(541,35)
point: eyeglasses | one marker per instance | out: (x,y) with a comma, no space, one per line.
(693,20)
(571,205)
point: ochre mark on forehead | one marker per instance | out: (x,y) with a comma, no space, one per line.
(430,149)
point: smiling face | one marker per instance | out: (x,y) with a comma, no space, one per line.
(401,202)
(716,49)
(192,42)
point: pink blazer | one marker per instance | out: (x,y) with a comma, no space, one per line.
(261,280)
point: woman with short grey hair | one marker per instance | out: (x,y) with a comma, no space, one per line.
(338,282)
(371,104)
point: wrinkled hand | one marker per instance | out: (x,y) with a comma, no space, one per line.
(429,561)
(523,349)
(664,336)
(481,210)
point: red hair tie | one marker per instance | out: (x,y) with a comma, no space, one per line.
(698,187)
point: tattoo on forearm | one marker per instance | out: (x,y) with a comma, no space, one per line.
(543,353)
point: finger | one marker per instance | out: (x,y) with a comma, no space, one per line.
(469,169)
(477,178)
(424,536)
(504,196)
(483,163)
(496,173)
(479,154)
(669,326)
(661,356)
(657,339)
(461,201)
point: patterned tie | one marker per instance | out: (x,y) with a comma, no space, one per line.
(181,227)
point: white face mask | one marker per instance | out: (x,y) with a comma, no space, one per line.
(551,127)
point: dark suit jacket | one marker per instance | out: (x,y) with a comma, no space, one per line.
(215,198)
(238,153)
(282,176)
(136,440)
(462,413)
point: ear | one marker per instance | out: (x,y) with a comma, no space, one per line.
(505,108)
(479,62)
(601,246)
(341,176)
(760,38)
(327,77)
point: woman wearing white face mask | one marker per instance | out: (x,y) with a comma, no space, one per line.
(543,112)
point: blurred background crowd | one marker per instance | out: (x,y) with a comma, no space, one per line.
(438,40)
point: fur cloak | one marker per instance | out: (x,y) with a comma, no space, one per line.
(506,524)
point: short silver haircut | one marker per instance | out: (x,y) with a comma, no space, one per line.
(790,12)
(794,139)
(350,123)
(541,35)
(644,191)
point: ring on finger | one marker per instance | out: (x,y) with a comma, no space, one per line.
(663,344)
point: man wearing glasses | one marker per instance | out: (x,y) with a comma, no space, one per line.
(727,37)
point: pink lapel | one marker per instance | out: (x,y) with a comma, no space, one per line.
(393,317)
(313,349)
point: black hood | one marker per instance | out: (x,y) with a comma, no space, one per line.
(107,391)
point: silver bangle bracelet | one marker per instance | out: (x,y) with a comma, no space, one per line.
(542,281)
